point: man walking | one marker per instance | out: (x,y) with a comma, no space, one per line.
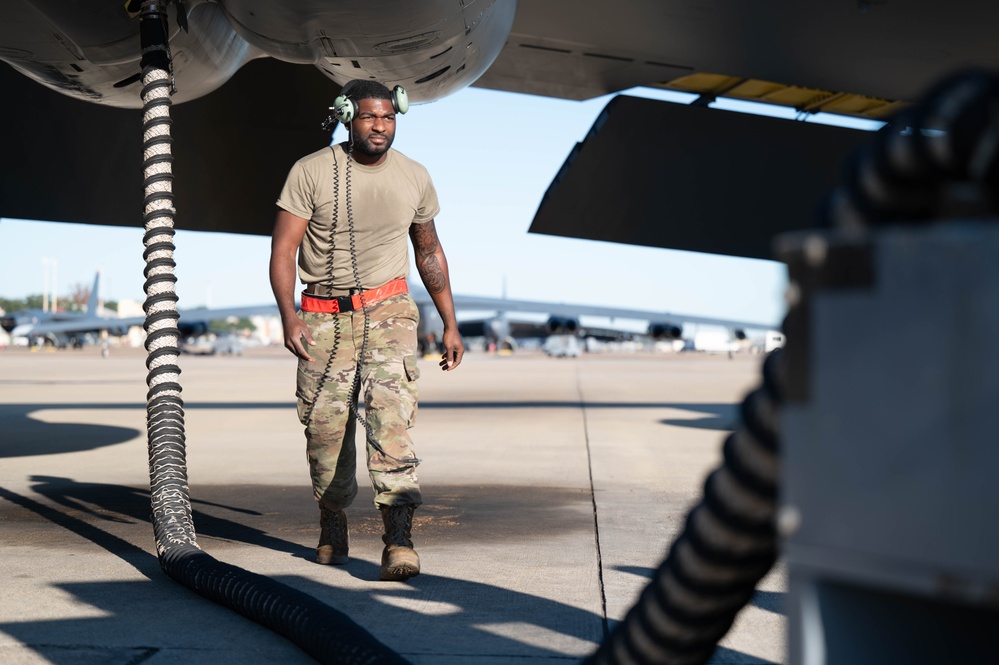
(345,212)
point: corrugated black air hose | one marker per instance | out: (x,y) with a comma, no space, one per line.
(914,171)
(326,634)
(914,168)
(728,544)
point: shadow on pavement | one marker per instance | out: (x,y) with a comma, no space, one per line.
(719,417)
(430,614)
(417,613)
(25,435)
(771,601)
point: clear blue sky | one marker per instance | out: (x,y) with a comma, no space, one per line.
(492,155)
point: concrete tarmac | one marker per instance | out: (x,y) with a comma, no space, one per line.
(552,488)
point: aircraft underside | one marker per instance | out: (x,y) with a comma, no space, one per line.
(238,63)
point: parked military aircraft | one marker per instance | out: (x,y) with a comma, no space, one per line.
(26,321)
(74,328)
(564,319)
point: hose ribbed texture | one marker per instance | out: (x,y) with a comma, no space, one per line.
(327,635)
(908,173)
(171,505)
(728,544)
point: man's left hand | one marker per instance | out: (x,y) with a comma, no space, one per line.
(454,349)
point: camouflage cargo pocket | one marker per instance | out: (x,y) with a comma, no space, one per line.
(305,391)
(412,370)
(412,374)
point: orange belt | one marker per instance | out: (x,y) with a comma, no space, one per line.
(334,304)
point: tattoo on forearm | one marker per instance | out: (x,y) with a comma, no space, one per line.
(432,274)
(426,244)
(424,239)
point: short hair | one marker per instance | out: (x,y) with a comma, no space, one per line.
(359,89)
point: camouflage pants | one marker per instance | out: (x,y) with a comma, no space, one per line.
(388,383)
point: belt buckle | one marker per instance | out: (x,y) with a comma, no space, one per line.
(344,304)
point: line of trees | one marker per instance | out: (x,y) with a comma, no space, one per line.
(75,302)
(237,326)
(17,304)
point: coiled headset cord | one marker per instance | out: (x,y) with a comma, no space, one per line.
(324,377)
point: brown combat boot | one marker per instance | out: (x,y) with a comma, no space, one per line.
(333,543)
(399,560)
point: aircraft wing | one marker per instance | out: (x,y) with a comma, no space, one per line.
(560,309)
(563,318)
(858,58)
(712,181)
(246,117)
(195,319)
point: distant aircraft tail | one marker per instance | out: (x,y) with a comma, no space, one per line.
(94,297)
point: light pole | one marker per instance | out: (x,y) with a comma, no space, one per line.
(55,271)
(45,284)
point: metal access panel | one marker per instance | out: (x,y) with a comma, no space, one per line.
(890,479)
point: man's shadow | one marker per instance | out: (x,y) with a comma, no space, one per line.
(123,505)
(414,614)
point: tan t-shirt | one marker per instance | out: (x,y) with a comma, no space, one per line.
(385,200)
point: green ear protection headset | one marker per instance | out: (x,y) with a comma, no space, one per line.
(344,108)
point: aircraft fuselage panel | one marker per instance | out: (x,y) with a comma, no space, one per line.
(90,50)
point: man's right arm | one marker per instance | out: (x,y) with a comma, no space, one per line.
(289,230)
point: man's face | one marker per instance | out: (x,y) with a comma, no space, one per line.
(373,126)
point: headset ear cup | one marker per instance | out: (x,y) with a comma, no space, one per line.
(400,99)
(343,109)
